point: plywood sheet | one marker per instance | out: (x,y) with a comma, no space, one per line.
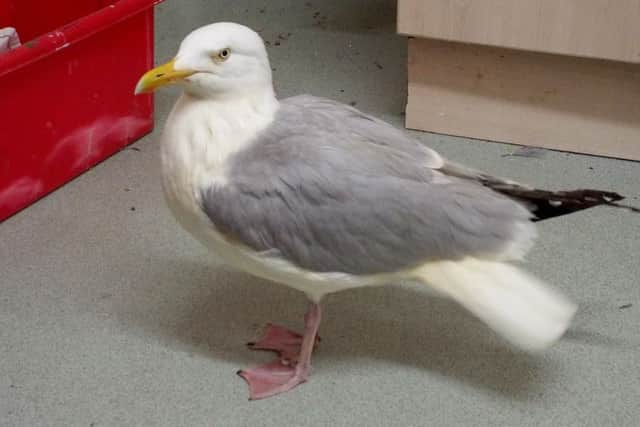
(566,103)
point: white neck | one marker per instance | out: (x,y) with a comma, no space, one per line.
(206,131)
(199,137)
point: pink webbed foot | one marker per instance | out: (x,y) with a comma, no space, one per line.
(283,341)
(293,365)
(273,378)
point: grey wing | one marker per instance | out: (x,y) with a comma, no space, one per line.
(367,128)
(323,197)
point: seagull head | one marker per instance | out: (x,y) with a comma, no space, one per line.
(215,60)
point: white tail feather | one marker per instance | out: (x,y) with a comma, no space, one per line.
(513,303)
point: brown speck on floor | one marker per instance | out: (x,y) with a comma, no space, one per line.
(261,10)
(273,68)
(132,208)
(267,43)
(380,67)
(341,90)
(624,306)
(590,167)
(321,21)
(126,189)
(277,43)
(479,76)
(353,103)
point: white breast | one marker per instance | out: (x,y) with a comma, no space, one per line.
(198,139)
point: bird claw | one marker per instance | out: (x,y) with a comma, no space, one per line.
(293,365)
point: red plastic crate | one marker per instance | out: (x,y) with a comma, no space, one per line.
(66,95)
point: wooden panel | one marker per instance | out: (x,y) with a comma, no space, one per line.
(559,102)
(607,29)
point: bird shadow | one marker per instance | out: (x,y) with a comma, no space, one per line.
(212,311)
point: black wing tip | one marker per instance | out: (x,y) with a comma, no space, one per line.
(559,203)
(590,195)
(550,204)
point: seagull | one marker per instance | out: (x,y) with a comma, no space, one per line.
(319,196)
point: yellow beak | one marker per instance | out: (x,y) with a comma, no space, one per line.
(161,76)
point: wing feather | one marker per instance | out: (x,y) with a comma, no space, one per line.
(332,190)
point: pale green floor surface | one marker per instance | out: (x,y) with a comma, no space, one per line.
(114,317)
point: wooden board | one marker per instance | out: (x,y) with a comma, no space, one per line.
(559,102)
(608,29)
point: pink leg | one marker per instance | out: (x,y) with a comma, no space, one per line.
(277,377)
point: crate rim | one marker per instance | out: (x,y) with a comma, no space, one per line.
(70,33)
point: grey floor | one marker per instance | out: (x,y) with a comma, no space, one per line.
(111,316)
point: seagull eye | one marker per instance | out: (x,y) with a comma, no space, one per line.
(224,54)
